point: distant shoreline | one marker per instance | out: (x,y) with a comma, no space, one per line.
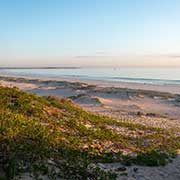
(115,75)
(41,67)
(169,88)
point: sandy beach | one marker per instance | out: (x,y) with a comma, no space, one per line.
(150,105)
(171,88)
(135,102)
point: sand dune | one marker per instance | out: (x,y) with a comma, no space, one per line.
(143,104)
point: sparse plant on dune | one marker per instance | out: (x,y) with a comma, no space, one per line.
(52,136)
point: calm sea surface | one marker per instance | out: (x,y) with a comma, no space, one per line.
(139,75)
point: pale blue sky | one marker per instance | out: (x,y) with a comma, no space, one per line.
(87,32)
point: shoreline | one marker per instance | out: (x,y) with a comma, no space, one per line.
(169,88)
(151,105)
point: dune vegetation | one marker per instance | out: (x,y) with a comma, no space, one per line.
(48,136)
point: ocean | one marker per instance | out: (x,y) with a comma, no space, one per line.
(135,75)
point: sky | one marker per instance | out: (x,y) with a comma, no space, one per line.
(90,33)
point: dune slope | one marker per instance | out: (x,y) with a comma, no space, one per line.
(52,137)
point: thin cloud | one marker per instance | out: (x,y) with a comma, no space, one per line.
(162,55)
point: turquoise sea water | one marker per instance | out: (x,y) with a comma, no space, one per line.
(138,75)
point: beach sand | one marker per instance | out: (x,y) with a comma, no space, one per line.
(143,103)
(171,88)
(151,105)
